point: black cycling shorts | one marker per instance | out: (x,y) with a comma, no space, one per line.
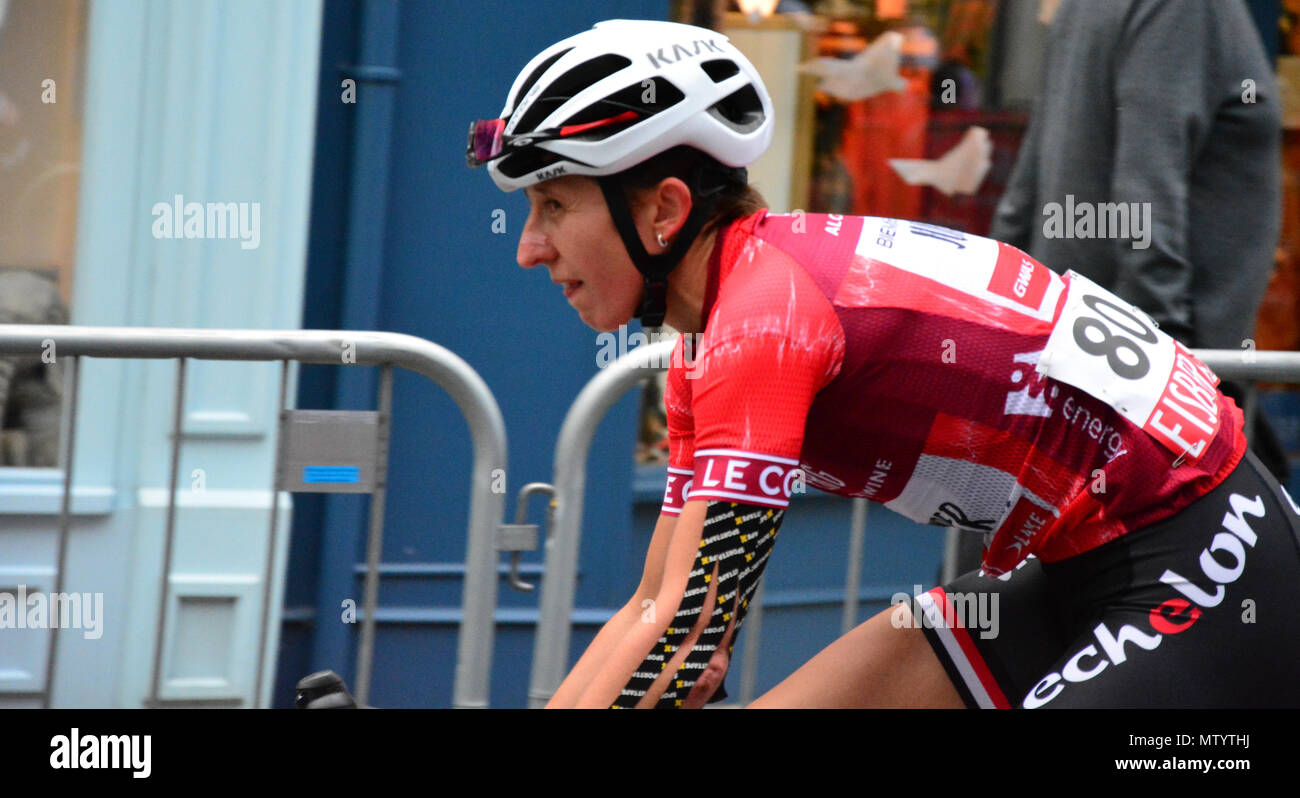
(1199,610)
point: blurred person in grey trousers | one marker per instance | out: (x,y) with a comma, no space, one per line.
(1152,166)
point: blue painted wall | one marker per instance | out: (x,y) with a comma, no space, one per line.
(446,277)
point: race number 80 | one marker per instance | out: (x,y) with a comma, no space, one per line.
(1111,344)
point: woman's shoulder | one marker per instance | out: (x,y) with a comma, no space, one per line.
(768,292)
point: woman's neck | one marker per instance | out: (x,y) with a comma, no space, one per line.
(687,285)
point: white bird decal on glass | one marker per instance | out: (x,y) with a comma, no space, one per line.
(958,171)
(872,71)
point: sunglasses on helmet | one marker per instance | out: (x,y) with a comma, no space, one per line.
(488,141)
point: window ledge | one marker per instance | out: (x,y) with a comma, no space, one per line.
(39,491)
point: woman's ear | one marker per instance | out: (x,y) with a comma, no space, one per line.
(673,205)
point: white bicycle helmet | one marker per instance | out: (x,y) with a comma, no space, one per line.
(685,85)
(612,97)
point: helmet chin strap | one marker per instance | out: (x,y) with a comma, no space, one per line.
(655,269)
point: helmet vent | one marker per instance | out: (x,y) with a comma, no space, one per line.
(719,69)
(567,85)
(646,98)
(537,73)
(742,110)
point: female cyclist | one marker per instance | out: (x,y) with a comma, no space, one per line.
(1139,554)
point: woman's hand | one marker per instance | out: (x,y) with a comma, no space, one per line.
(710,678)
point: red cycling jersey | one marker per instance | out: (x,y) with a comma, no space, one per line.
(938,373)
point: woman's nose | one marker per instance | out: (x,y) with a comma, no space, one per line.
(534,247)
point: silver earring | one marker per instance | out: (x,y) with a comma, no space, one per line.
(660,238)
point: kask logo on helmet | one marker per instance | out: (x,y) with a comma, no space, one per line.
(680,52)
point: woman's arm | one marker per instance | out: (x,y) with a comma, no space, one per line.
(708,580)
(630,650)
(624,621)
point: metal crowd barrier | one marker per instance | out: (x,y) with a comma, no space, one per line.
(1252,366)
(551,643)
(550,654)
(462,383)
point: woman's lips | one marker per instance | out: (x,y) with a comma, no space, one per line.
(571,287)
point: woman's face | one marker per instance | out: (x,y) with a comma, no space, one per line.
(570,232)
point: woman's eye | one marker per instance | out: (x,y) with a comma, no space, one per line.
(552,205)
